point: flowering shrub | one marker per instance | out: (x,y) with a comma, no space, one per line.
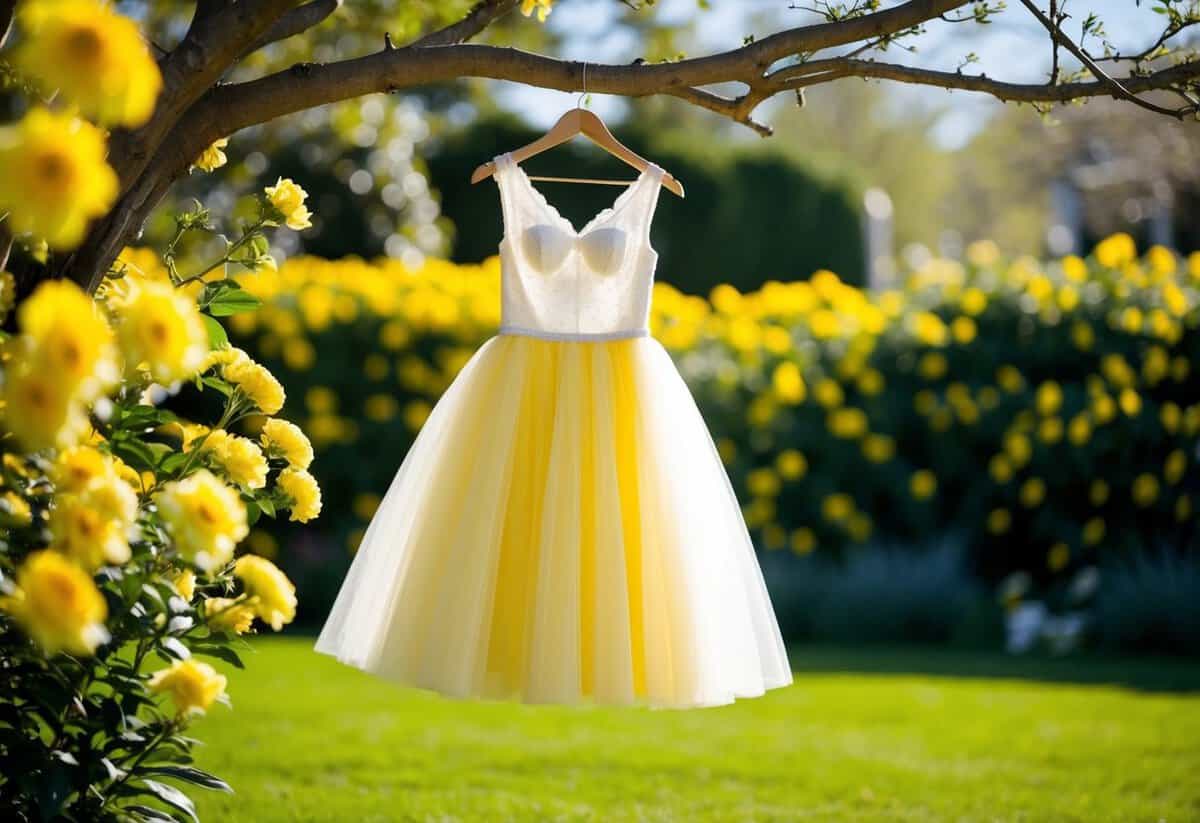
(1047,412)
(120,516)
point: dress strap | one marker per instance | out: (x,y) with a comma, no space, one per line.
(648,198)
(505,183)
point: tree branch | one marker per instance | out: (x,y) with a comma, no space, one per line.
(482,15)
(297,21)
(7,9)
(1119,91)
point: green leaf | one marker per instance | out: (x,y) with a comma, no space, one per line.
(217,338)
(190,774)
(218,384)
(151,815)
(233,301)
(267,506)
(172,797)
(137,454)
(219,652)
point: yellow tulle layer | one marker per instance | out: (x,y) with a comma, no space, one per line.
(562,531)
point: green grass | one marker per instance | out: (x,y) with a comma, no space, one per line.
(861,736)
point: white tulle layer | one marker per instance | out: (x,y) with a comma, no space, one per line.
(562,531)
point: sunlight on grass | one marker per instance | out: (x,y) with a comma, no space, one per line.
(310,740)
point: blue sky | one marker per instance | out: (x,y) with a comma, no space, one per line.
(1015,47)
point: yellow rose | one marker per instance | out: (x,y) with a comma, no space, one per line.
(226,614)
(161,330)
(92,525)
(837,506)
(271,593)
(184,583)
(828,393)
(1145,490)
(257,384)
(999,521)
(213,157)
(542,7)
(803,541)
(847,423)
(1049,398)
(205,518)
(1033,492)
(192,685)
(91,55)
(66,334)
(303,493)
(763,483)
(284,439)
(288,199)
(53,176)
(57,604)
(238,457)
(38,409)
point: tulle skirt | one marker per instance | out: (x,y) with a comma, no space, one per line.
(562,531)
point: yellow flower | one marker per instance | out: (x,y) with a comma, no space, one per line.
(282,438)
(1050,430)
(922,484)
(192,685)
(870,382)
(288,199)
(803,541)
(53,177)
(205,518)
(1130,402)
(929,329)
(93,56)
(1033,492)
(541,6)
(38,410)
(828,393)
(66,335)
(1093,531)
(1058,557)
(1098,492)
(160,329)
(92,525)
(932,365)
(213,157)
(763,483)
(1116,251)
(185,584)
(788,383)
(239,458)
(1145,490)
(999,521)
(1079,430)
(1049,398)
(791,464)
(271,593)
(1082,335)
(1074,268)
(302,490)
(257,384)
(79,465)
(1175,467)
(416,413)
(1000,468)
(859,527)
(837,506)
(1009,379)
(878,448)
(57,604)
(1171,416)
(847,423)
(1183,508)
(1018,448)
(227,614)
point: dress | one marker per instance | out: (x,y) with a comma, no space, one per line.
(563,530)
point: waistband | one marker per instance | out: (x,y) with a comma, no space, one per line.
(577,337)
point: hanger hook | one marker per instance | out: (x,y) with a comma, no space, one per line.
(583,96)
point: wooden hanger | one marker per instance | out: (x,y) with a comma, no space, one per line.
(575,122)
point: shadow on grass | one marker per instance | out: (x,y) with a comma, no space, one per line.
(1149,674)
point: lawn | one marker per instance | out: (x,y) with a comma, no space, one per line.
(862,736)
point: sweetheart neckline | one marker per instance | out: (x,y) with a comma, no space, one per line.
(600,216)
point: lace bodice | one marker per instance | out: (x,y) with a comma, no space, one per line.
(566,284)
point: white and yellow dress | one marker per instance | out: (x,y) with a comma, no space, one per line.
(562,530)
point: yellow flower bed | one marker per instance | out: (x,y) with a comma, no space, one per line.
(986,397)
